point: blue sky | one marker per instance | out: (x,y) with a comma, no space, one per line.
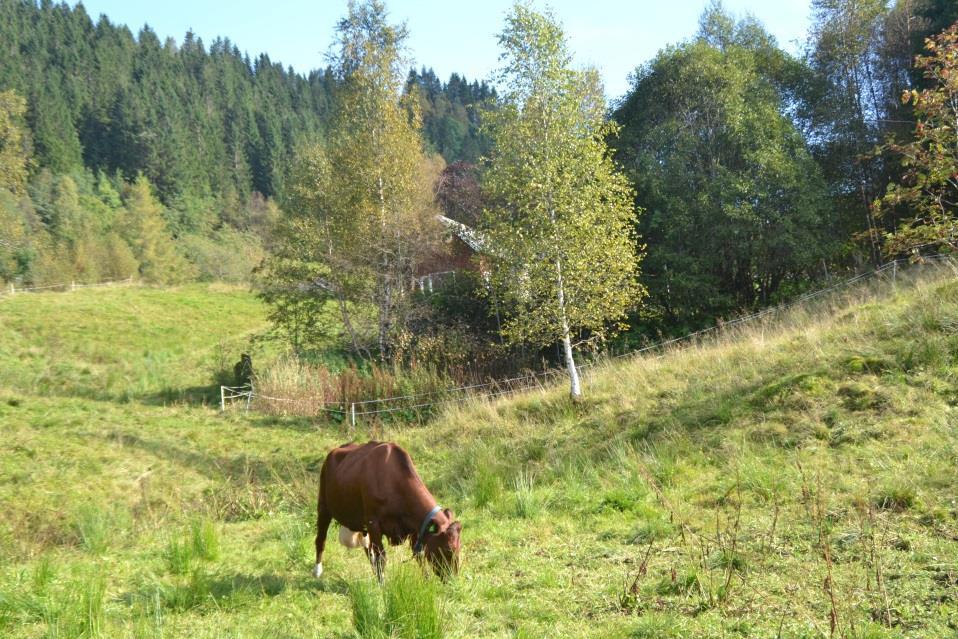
(613,35)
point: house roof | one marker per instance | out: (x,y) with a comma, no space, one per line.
(476,240)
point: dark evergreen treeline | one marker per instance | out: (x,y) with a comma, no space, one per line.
(198,122)
(207,130)
(451,114)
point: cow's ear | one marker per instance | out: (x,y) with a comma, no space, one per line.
(448,513)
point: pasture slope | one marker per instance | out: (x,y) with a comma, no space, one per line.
(792,479)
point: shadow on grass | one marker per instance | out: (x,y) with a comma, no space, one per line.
(190,396)
(295,422)
(201,590)
(211,591)
(212,466)
(208,395)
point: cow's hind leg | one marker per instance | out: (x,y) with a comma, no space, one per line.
(323,519)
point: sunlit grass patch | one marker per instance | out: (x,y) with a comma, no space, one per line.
(528,503)
(94,528)
(124,343)
(408,605)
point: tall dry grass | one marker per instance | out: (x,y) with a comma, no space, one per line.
(293,387)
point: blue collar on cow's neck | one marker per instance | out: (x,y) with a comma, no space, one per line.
(420,540)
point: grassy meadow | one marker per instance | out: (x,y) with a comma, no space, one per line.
(795,479)
(124,343)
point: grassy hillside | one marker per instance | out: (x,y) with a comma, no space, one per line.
(121,343)
(791,477)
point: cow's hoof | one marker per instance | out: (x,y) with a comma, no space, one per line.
(318,571)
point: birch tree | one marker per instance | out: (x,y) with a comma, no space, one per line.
(360,213)
(561,224)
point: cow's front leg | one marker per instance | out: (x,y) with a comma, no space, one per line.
(375,550)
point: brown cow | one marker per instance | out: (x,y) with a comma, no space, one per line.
(374,489)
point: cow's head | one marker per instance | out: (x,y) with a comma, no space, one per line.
(441,543)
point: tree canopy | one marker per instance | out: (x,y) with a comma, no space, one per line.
(14,151)
(735,203)
(360,212)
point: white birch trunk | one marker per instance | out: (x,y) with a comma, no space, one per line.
(575,384)
(384,300)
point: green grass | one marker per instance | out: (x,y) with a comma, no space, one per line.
(125,343)
(408,605)
(692,495)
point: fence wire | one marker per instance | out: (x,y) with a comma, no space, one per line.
(11,289)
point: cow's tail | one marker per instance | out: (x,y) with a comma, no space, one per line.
(323,519)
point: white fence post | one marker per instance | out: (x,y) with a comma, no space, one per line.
(222,399)
(352,414)
(12,288)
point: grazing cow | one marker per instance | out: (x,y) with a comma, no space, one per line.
(374,491)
